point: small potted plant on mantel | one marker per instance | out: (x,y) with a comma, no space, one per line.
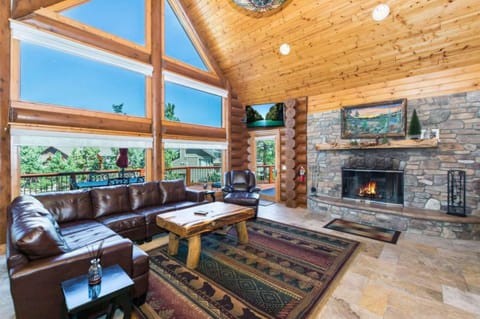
(414,129)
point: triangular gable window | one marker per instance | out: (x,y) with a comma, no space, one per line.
(178,44)
(122,18)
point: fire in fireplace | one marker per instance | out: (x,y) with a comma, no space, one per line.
(384,186)
(368,190)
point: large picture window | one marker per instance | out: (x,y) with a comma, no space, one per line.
(54,77)
(188,105)
(178,44)
(123,18)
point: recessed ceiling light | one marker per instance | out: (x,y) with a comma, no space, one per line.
(285,49)
(380,12)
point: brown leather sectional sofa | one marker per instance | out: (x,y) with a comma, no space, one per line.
(48,235)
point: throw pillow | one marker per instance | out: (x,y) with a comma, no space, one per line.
(34,231)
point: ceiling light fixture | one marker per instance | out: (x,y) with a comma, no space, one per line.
(380,12)
(259,7)
(284,49)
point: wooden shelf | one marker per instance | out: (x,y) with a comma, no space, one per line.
(430,143)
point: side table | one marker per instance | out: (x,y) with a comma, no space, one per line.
(113,291)
(211,193)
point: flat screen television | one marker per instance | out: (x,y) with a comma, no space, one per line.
(265,115)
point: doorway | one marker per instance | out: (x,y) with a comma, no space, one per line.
(265,150)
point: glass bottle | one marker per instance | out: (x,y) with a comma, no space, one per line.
(94,272)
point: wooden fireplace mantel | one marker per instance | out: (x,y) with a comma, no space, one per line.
(428,143)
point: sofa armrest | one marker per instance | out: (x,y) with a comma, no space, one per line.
(194,195)
(227,189)
(35,286)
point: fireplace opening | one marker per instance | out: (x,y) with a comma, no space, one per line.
(384,186)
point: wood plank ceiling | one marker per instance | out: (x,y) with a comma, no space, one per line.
(335,44)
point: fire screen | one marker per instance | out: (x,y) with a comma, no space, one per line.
(384,186)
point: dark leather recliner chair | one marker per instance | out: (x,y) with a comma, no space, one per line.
(240,188)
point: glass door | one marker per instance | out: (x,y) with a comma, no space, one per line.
(266,166)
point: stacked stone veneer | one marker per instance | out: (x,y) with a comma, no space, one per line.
(425,181)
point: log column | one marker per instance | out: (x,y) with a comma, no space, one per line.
(5,175)
(289,150)
(301,150)
(157,88)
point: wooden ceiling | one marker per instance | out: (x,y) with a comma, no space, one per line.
(335,45)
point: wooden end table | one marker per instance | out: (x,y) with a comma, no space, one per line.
(188,223)
(114,290)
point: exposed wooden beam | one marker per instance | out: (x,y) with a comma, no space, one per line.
(22,8)
(5,174)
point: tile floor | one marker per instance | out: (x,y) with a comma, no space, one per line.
(419,277)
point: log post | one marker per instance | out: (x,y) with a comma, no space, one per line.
(5,174)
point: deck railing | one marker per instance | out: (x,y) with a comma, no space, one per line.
(55,182)
(193,175)
(265,174)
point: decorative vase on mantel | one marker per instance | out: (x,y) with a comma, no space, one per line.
(94,272)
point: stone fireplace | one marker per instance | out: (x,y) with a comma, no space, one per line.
(414,196)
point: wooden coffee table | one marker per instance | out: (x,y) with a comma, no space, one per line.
(187,223)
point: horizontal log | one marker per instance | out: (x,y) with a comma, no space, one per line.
(301,188)
(301,119)
(181,129)
(301,138)
(302,149)
(68,118)
(301,159)
(301,200)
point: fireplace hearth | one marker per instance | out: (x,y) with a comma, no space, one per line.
(377,185)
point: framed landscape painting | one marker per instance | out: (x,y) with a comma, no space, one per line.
(380,119)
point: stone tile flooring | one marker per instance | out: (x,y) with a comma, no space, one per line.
(419,277)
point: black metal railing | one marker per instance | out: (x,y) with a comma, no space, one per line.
(55,182)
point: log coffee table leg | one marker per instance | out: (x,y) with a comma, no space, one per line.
(242,232)
(173,241)
(194,247)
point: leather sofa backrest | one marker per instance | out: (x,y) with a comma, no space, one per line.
(33,230)
(144,195)
(68,206)
(110,200)
(173,191)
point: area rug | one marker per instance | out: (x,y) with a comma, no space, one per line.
(373,232)
(282,272)
(264,202)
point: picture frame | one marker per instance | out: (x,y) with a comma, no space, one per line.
(435,133)
(373,120)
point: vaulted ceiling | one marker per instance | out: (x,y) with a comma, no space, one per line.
(335,45)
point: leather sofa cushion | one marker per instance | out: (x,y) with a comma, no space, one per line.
(34,231)
(150,213)
(121,222)
(144,195)
(79,237)
(110,200)
(68,206)
(173,191)
(242,198)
